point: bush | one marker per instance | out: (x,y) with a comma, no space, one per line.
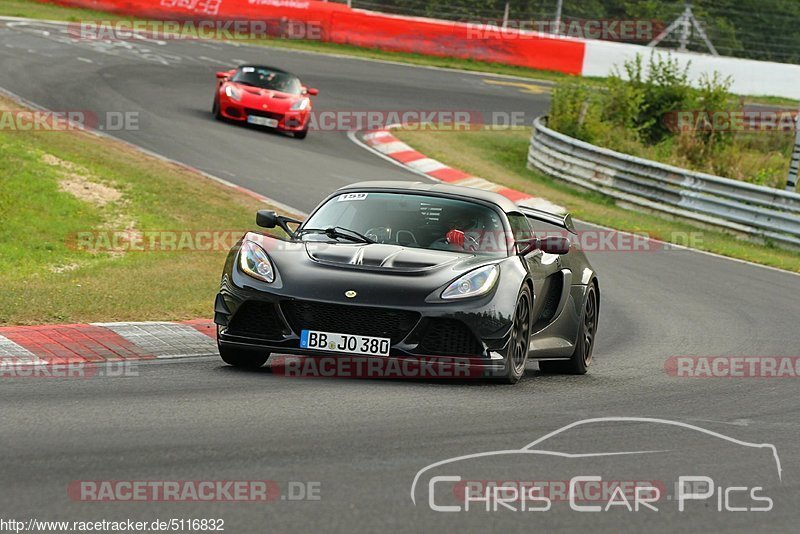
(575,112)
(635,112)
(623,104)
(665,90)
(714,95)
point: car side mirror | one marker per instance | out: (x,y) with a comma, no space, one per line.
(266,219)
(222,75)
(313,92)
(550,244)
(554,245)
(270,219)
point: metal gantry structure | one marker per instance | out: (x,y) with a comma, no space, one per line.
(684,24)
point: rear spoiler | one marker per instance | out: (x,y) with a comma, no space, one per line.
(564,221)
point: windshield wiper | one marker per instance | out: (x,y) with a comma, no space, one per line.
(338,232)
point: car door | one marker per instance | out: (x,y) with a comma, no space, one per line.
(539,264)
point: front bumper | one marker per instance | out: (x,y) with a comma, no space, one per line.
(260,321)
(289,121)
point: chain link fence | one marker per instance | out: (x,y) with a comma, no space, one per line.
(764,30)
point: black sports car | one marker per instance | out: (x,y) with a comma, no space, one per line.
(410,270)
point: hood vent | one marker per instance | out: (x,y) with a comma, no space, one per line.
(379,256)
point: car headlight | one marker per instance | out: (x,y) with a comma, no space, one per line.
(254,261)
(300,105)
(233,92)
(473,284)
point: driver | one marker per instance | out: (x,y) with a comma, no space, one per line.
(462,229)
(266,79)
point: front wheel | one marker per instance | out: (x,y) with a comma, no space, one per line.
(520,340)
(242,358)
(302,134)
(215,110)
(581,358)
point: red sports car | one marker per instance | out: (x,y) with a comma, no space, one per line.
(264,96)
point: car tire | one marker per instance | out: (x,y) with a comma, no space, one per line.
(241,358)
(581,358)
(520,339)
(302,134)
(215,110)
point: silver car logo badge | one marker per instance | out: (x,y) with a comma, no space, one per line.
(350,294)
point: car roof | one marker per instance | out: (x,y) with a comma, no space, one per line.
(436,188)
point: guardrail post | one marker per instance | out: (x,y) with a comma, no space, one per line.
(791,182)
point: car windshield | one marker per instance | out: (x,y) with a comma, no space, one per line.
(268,79)
(410,220)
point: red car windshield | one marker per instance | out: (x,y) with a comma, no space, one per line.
(268,79)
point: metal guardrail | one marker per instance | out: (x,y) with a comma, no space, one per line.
(755,210)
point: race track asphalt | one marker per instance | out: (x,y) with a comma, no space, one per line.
(365,440)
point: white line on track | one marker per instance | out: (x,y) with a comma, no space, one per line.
(214,61)
(689,249)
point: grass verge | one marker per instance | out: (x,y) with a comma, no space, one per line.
(56,185)
(34,9)
(37,10)
(501,156)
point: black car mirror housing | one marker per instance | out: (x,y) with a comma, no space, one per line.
(270,219)
(550,244)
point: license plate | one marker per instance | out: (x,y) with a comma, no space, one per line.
(329,341)
(262,121)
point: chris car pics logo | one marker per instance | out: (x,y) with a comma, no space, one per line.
(693,472)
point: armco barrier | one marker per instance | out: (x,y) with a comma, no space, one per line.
(746,208)
(342,25)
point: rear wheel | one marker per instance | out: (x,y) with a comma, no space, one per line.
(520,340)
(242,358)
(581,358)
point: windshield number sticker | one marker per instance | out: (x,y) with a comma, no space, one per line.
(352,196)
